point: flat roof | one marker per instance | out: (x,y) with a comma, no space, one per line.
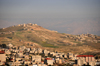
(85,56)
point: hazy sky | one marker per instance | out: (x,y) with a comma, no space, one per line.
(65,16)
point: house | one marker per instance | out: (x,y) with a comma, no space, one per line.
(43,65)
(39,50)
(70,55)
(20,54)
(65,56)
(31,51)
(11,58)
(85,59)
(26,62)
(22,48)
(10,45)
(36,58)
(57,56)
(14,63)
(74,57)
(97,63)
(35,51)
(49,61)
(34,65)
(45,52)
(14,47)
(26,57)
(60,55)
(7,52)
(28,49)
(52,53)
(57,60)
(17,59)
(2,57)
(60,61)
(16,51)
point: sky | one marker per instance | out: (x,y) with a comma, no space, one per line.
(64,16)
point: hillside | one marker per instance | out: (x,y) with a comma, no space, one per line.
(32,35)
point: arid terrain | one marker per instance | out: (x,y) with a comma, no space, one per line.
(32,35)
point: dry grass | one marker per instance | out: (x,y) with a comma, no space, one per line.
(47,39)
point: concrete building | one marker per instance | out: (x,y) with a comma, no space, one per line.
(20,54)
(36,58)
(28,49)
(65,56)
(10,45)
(21,48)
(39,50)
(45,52)
(70,55)
(7,52)
(2,57)
(49,61)
(86,59)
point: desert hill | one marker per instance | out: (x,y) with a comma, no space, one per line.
(33,35)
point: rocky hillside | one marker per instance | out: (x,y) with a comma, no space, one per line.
(33,35)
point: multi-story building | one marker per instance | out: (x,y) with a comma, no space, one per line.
(2,57)
(85,59)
